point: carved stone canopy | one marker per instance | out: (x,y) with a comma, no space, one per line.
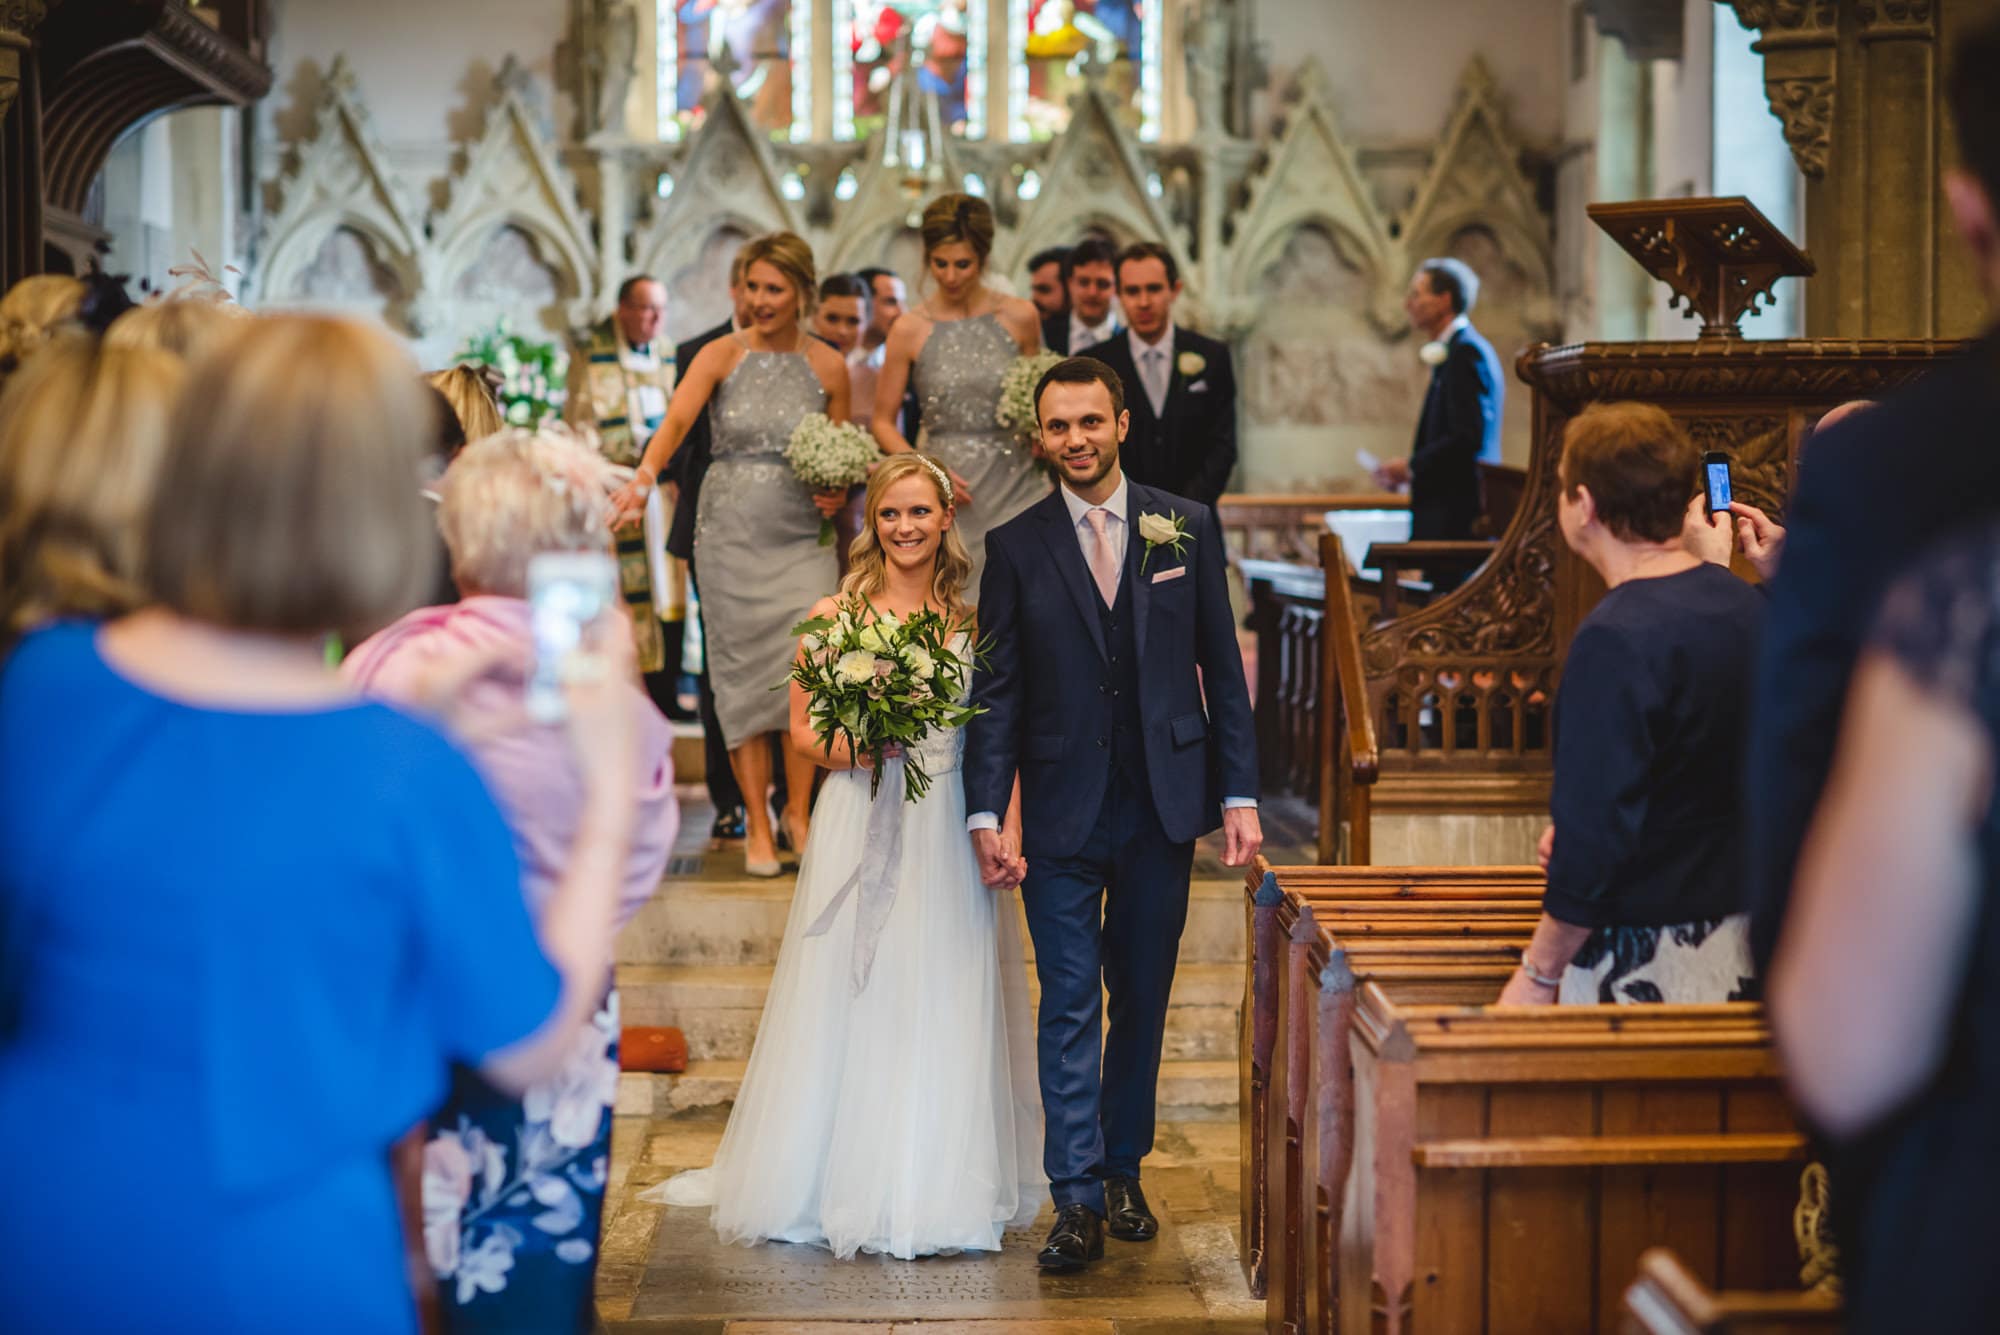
(1720,256)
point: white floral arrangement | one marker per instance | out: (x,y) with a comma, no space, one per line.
(876,680)
(830,456)
(1017,394)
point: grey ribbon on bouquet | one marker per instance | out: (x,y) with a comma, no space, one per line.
(873,884)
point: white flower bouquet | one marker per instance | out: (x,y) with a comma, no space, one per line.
(877,681)
(827,455)
(1017,394)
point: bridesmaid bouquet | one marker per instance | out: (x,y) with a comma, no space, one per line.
(878,681)
(1017,395)
(830,456)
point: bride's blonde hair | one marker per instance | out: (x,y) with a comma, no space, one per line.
(868,564)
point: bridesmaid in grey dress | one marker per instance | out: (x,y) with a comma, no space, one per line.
(756,536)
(958,345)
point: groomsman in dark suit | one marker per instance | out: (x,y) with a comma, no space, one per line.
(1090,275)
(685,472)
(1460,426)
(1045,281)
(1180,386)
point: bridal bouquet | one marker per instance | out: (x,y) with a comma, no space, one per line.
(1017,394)
(827,455)
(882,681)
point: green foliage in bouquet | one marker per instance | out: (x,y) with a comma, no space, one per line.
(876,680)
(531,373)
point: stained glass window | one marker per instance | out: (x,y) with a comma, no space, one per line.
(749,42)
(944,39)
(1061,37)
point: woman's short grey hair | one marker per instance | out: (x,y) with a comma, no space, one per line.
(515,495)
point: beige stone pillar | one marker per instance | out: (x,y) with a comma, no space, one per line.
(1859,86)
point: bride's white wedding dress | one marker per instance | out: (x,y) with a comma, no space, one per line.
(891,1102)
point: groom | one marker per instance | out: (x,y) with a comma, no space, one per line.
(1109,620)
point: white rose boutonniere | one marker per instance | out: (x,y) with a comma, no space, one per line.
(1433,353)
(1168,530)
(1191,364)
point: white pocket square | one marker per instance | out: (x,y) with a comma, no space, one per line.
(1198,387)
(1165,575)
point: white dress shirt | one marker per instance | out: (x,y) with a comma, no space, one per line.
(1083,335)
(1117,530)
(1156,366)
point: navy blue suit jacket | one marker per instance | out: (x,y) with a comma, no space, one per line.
(690,462)
(1191,449)
(1459,427)
(1048,714)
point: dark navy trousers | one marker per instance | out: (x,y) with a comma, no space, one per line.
(1112,912)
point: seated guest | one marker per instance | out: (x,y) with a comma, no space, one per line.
(1883,990)
(1179,386)
(1645,900)
(249,919)
(506,499)
(1090,280)
(1045,281)
(1460,425)
(82,429)
(35,310)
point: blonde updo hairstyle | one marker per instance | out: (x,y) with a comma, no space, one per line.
(35,310)
(788,253)
(950,218)
(83,428)
(182,325)
(466,389)
(868,564)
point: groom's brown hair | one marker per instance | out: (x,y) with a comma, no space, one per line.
(1081,371)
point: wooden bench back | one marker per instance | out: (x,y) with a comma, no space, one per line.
(1508,1166)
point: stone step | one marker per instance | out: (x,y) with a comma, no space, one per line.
(718,1006)
(715,921)
(1189,1091)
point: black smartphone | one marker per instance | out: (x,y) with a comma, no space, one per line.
(1715,480)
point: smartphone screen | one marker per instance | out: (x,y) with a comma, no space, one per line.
(567,591)
(1716,468)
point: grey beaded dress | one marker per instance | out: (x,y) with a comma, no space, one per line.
(958,376)
(756,540)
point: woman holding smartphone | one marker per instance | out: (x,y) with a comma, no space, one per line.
(1645,900)
(756,532)
(506,501)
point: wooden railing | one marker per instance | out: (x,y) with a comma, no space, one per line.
(1315,726)
(1347,782)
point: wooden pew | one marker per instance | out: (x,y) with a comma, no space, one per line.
(1331,890)
(1667,1299)
(1509,1165)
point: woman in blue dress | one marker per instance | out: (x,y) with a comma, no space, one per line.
(247,919)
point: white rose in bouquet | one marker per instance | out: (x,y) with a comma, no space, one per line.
(856,667)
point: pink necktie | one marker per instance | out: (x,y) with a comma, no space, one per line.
(1103,564)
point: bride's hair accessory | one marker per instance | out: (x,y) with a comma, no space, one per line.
(943,480)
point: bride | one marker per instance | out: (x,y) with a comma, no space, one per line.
(901,1118)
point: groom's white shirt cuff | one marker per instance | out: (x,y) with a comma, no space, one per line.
(987,820)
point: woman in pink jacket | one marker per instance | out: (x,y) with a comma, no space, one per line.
(513,1188)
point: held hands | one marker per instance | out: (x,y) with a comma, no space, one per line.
(1763,538)
(1001,866)
(830,503)
(628,503)
(1242,836)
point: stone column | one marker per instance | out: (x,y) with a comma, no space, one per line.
(1859,88)
(20,142)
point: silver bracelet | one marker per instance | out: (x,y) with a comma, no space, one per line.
(1538,977)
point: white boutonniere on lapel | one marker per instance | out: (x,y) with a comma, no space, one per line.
(1168,530)
(1434,353)
(1191,364)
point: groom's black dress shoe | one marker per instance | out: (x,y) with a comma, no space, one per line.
(1125,1214)
(1075,1241)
